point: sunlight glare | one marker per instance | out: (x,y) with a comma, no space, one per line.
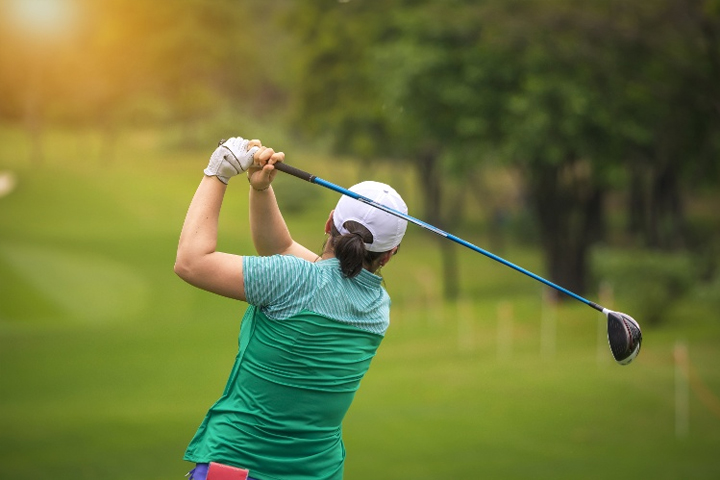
(42,17)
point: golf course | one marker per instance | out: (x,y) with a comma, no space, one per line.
(109,361)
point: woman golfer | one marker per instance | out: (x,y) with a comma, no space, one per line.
(312,326)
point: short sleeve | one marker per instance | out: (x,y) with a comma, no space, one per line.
(279,285)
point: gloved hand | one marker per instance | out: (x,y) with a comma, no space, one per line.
(230,158)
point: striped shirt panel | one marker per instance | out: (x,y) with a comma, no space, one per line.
(283,286)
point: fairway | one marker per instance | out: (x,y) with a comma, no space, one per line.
(85,286)
(109,361)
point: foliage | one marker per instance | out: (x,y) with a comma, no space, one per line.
(294,197)
(189,55)
(576,94)
(586,99)
(657,281)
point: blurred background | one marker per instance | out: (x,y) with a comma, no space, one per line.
(580,140)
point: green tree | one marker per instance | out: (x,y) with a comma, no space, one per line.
(560,124)
(179,61)
(392,81)
(573,94)
(675,101)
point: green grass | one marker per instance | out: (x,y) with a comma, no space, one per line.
(108,361)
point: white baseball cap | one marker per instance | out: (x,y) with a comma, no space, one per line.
(387,230)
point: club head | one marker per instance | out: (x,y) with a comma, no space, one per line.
(624,336)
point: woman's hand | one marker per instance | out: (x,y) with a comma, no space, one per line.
(262,172)
(231,157)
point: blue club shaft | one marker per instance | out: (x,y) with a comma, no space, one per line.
(324,183)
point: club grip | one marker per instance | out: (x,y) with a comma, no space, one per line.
(295,172)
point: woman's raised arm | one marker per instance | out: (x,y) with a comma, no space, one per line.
(269,231)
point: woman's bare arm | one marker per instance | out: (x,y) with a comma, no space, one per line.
(197,261)
(269,231)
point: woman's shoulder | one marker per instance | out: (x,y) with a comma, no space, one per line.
(277,268)
(278,262)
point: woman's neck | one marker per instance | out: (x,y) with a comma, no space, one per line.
(327,253)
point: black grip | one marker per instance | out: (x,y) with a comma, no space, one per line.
(597,307)
(295,172)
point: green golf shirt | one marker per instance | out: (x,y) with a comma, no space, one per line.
(306,341)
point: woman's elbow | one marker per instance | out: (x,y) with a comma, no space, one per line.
(183,268)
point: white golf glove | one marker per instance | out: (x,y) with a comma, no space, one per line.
(230,158)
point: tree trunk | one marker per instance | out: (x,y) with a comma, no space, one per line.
(656,211)
(666,222)
(430,181)
(637,200)
(109,144)
(34,125)
(569,209)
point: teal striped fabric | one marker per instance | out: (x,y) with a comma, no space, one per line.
(283,286)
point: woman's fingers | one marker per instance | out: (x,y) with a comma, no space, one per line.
(264,154)
(276,157)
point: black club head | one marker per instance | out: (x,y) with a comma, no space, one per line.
(624,337)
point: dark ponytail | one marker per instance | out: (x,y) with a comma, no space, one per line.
(350,249)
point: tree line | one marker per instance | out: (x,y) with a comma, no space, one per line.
(585,99)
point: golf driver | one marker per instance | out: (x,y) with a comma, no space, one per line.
(624,336)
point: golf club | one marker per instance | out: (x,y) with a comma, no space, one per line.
(624,335)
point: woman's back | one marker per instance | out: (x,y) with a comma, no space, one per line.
(295,375)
